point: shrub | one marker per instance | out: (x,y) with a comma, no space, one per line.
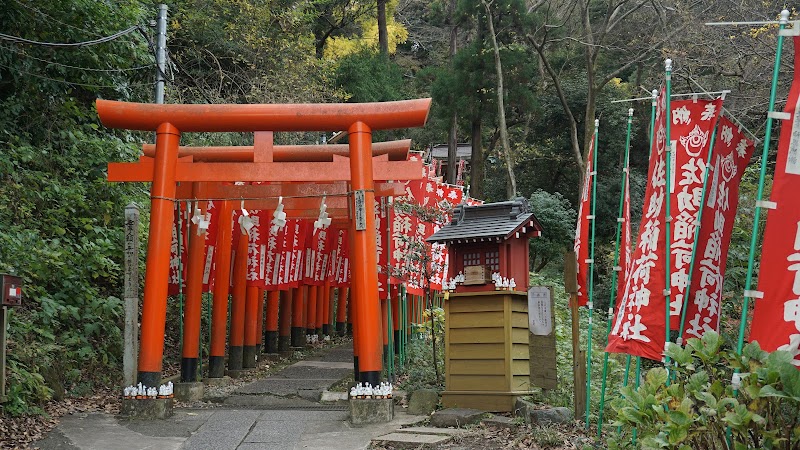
(699,408)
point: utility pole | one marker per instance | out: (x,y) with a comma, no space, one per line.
(161,52)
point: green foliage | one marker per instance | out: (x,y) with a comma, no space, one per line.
(423,329)
(367,76)
(699,407)
(419,370)
(557,217)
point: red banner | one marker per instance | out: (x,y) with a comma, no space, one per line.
(582,229)
(732,151)
(340,270)
(318,254)
(638,327)
(776,318)
(381,237)
(692,124)
(178,251)
(273,254)
(257,248)
(210,235)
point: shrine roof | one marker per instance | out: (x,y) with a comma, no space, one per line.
(490,221)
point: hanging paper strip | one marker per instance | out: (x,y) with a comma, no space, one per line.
(693,122)
(582,230)
(625,239)
(731,154)
(638,327)
(776,317)
(178,254)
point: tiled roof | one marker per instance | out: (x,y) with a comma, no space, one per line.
(491,221)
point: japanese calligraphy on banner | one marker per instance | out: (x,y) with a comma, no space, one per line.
(381,235)
(732,151)
(178,251)
(210,237)
(257,248)
(692,124)
(638,327)
(340,270)
(273,255)
(582,230)
(318,253)
(776,317)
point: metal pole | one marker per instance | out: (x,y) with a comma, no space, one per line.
(591,278)
(625,383)
(761,176)
(668,218)
(617,270)
(161,52)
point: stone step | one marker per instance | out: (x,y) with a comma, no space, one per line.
(432,430)
(412,440)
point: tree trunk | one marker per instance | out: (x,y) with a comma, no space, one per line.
(452,149)
(452,138)
(383,32)
(478,169)
(511,187)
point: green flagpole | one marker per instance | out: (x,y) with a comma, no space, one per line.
(760,193)
(625,382)
(591,278)
(390,338)
(668,220)
(688,291)
(617,270)
(636,385)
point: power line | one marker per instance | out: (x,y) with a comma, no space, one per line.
(91,69)
(40,12)
(100,86)
(102,40)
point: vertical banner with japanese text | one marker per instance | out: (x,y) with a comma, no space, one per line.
(776,317)
(732,152)
(692,125)
(638,328)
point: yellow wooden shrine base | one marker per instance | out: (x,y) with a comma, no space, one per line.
(486,350)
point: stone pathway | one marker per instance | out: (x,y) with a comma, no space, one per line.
(278,412)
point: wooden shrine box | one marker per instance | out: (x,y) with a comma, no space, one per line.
(486,330)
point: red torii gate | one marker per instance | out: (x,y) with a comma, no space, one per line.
(168,121)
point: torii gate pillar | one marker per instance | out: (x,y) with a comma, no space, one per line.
(156,277)
(364,259)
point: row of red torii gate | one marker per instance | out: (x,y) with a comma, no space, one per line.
(299,261)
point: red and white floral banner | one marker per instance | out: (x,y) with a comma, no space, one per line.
(776,317)
(731,154)
(582,243)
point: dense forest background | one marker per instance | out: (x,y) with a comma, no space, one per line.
(522,81)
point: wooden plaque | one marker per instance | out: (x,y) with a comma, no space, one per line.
(474,275)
